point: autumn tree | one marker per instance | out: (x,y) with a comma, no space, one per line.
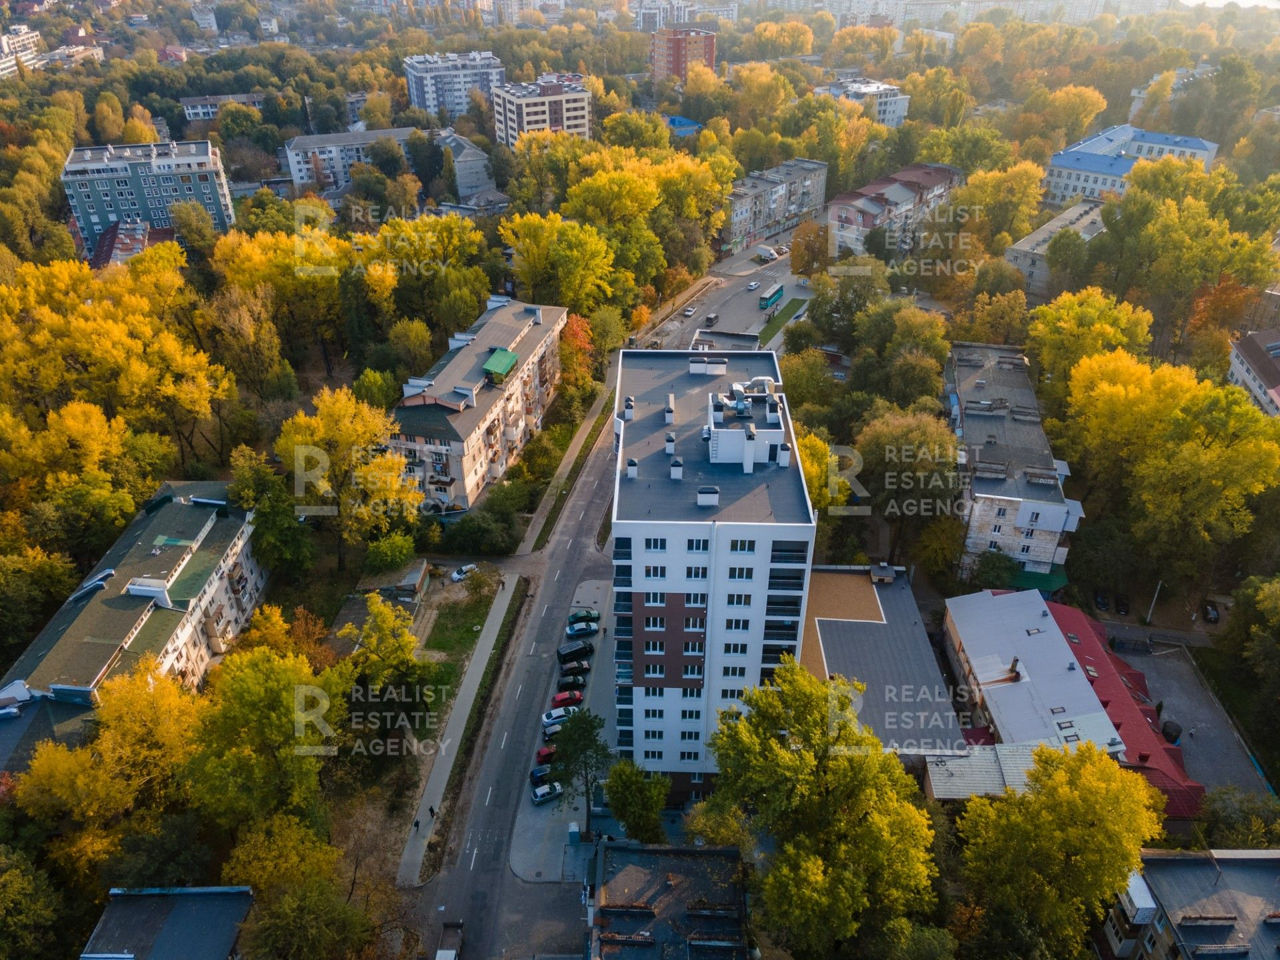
(302,635)
(29,908)
(1001,204)
(280,542)
(384,646)
(637,798)
(559,261)
(577,357)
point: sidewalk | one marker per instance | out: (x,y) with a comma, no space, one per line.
(415,847)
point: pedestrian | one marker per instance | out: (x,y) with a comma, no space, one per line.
(432,811)
(415,826)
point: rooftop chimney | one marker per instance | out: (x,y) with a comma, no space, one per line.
(749,449)
(633,469)
(671,408)
(629,408)
(677,469)
(708,496)
(670,444)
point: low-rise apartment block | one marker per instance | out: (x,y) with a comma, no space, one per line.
(1184,79)
(556,102)
(1255,366)
(1030,254)
(672,49)
(464,422)
(1100,164)
(470,164)
(324,160)
(712,543)
(178,584)
(445,81)
(206,108)
(140,181)
(882,102)
(1012,484)
(770,201)
(896,204)
(19,46)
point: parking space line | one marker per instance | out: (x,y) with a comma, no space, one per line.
(531,643)
(473,858)
(545,608)
(558,572)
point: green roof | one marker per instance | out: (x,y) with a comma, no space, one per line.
(1055,579)
(501,362)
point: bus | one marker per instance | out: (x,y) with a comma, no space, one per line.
(771,296)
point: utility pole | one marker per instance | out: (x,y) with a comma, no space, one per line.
(1151,609)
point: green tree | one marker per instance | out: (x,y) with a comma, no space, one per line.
(994,570)
(1041,866)
(637,799)
(636,130)
(385,644)
(582,759)
(387,157)
(377,388)
(29,908)
(280,542)
(1253,631)
(388,553)
(1068,259)
(559,261)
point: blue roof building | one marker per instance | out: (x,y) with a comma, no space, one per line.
(682,126)
(1100,164)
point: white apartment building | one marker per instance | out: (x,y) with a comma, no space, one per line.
(206,108)
(1030,254)
(445,81)
(555,102)
(179,584)
(205,18)
(1012,484)
(1255,366)
(767,202)
(712,545)
(1100,164)
(325,159)
(884,103)
(140,181)
(464,422)
(21,45)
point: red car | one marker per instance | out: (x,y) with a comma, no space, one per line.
(546,754)
(569,698)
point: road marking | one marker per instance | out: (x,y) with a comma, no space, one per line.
(558,572)
(518,689)
(473,858)
(545,608)
(531,643)
(488,796)
(582,514)
(504,740)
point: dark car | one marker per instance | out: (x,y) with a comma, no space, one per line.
(575,682)
(1211,614)
(711,320)
(1122,605)
(585,615)
(539,775)
(1101,601)
(575,650)
(574,668)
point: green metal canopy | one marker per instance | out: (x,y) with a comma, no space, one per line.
(500,363)
(1046,583)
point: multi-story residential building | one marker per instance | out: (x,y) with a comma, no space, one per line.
(470,163)
(21,45)
(773,200)
(465,421)
(715,11)
(1012,484)
(895,204)
(882,102)
(651,16)
(1100,164)
(712,542)
(1184,78)
(1191,904)
(1255,366)
(1030,254)
(672,49)
(445,81)
(205,18)
(140,181)
(326,159)
(206,108)
(178,584)
(555,102)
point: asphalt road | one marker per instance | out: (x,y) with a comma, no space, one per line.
(505,916)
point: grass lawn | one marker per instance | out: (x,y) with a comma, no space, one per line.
(1237,692)
(789,310)
(561,493)
(455,630)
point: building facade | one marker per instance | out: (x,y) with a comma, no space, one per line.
(1030,254)
(1255,366)
(712,544)
(206,108)
(179,585)
(464,422)
(882,102)
(896,204)
(140,181)
(1012,485)
(555,102)
(672,49)
(770,201)
(445,81)
(19,46)
(1100,164)
(325,160)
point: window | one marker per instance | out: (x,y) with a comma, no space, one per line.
(695,599)
(654,671)
(655,599)
(742,546)
(1028,534)
(691,693)
(1035,516)
(692,671)
(653,734)
(735,623)
(690,735)
(653,754)
(993,545)
(653,691)
(739,599)
(655,623)
(740,573)
(655,544)
(1026,548)
(655,573)
(689,756)
(1001,511)
(698,546)
(693,648)
(695,573)
(653,713)
(1149,941)
(690,714)
(655,647)
(735,671)
(735,649)
(996,528)
(693,624)
(731,694)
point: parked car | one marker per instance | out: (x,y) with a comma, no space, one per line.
(549,733)
(546,793)
(1211,614)
(553,718)
(753,285)
(575,650)
(711,320)
(688,312)
(539,775)
(1122,605)
(783,249)
(545,754)
(464,571)
(1101,601)
(585,615)
(567,698)
(574,668)
(572,683)
(585,628)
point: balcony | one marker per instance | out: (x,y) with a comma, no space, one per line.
(622,606)
(792,584)
(622,652)
(623,674)
(624,717)
(782,610)
(624,698)
(622,581)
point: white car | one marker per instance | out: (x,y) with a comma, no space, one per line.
(464,571)
(688,312)
(546,793)
(557,716)
(753,285)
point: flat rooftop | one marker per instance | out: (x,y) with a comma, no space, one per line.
(873,633)
(139,152)
(183,923)
(354,138)
(769,494)
(1085,218)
